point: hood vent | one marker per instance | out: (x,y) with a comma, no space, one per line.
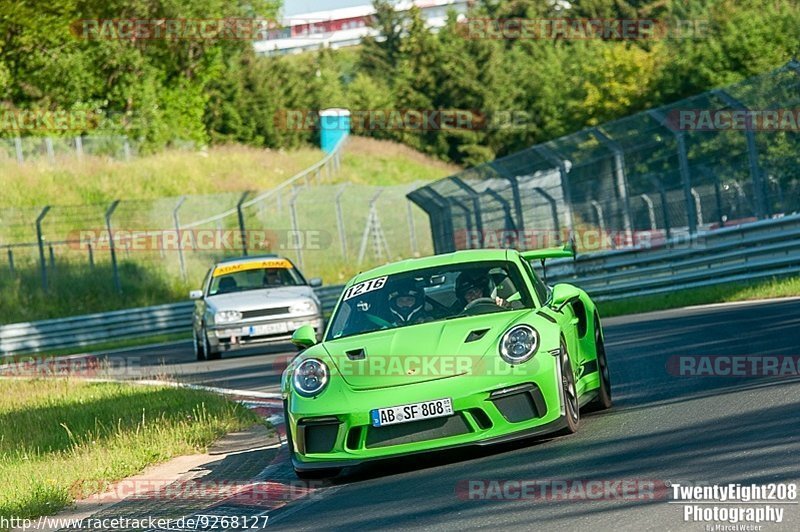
(476,335)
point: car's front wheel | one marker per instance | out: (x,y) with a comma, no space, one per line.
(569,390)
(199,345)
(211,353)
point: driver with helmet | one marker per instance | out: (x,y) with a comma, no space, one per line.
(474,285)
(407,304)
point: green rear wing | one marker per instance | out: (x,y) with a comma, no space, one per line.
(568,250)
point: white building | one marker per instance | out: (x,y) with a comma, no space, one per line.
(337,28)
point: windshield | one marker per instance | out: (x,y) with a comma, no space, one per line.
(431,294)
(254,279)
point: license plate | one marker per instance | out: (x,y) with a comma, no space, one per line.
(411,412)
(267,328)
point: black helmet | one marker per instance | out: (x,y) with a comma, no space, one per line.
(469,280)
(404,291)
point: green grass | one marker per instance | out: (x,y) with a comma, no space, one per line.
(773,288)
(172,173)
(221,169)
(65,439)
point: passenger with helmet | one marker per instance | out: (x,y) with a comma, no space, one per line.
(472,285)
(407,304)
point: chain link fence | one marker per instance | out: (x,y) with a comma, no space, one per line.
(50,149)
(328,230)
(724,157)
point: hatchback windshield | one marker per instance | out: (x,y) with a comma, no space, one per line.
(431,294)
(254,279)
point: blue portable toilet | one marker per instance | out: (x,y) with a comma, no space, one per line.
(334,126)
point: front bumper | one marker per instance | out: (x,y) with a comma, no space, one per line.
(239,335)
(337,431)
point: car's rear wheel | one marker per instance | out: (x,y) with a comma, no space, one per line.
(572,413)
(603,400)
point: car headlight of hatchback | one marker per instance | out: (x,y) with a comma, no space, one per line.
(519,344)
(227,316)
(310,377)
(306,306)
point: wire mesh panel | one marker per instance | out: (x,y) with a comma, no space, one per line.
(725,157)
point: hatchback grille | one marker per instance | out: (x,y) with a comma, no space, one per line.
(264,312)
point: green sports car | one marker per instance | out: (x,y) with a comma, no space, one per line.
(466,348)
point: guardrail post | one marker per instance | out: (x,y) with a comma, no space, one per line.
(412,231)
(519,225)
(553,210)
(476,203)
(11,261)
(242,228)
(601,220)
(683,167)
(718,200)
(761,207)
(48,146)
(556,158)
(698,206)
(340,221)
(295,228)
(79,147)
(40,242)
(664,205)
(126,149)
(622,182)
(651,213)
(176,221)
(91,256)
(18,149)
(112,249)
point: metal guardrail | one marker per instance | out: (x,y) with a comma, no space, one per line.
(79,331)
(768,248)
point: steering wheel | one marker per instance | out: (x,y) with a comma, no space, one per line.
(480,302)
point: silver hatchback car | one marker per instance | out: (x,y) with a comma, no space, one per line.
(250,301)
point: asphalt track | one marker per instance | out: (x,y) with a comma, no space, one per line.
(664,428)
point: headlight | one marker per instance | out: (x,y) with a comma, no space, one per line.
(306,306)
(310,377)
(227,316)
(519,344)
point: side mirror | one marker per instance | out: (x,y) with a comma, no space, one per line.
(196,294)
(304,337)
(315,282)
(563,294)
